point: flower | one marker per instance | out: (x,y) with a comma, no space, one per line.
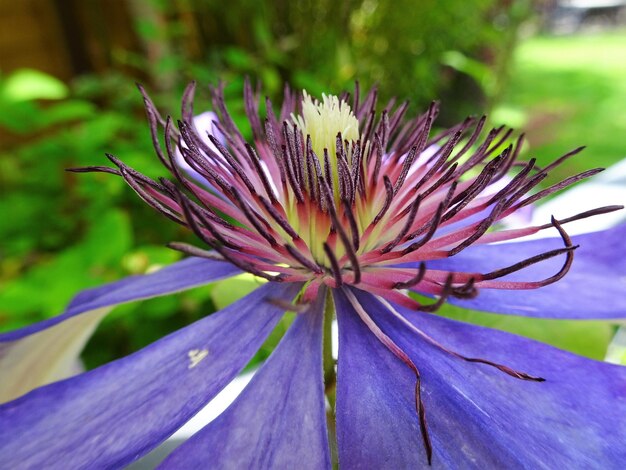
(343,212)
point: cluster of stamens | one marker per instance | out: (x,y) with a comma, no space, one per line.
(333,195)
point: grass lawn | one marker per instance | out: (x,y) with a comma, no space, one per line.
(569,91)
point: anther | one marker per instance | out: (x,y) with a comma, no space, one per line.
(414,280)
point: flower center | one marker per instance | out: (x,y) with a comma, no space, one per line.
(326,199)
(325,122)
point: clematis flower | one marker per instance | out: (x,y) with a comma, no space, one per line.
(369,218)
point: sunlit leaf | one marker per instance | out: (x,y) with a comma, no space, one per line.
(228,291)
(30,84)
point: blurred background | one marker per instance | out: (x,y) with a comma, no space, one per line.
(554,69)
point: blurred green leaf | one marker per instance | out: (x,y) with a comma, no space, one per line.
(29,84)
(68,110)
(228,291)
(479,71)
(46,289)
(238,58)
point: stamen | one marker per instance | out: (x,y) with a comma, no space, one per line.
(345,182)
(445,293)
(303,260)
(419,133)
(209,213)
(357,169)
(482,152)
(514,183)
(234,164)
(153,121)
(517,147)
(432,225)
(442,157)
(481,229)
(557,187)
(369,109)
(357,97)
(148,198)
(319,198)
(413,208)
(334,265)
(584,215)
(271,139)
(400,354)
(507,370)
(328,172)
(300,162)
(565,157)
(414,280)
(434,222)
(408,161)
(132,172)
(149,104)
(94,169)
(288,306)
(254,218)
(384,126)
(441,181)
(218,243)
(291,176)
(195,251)
(280,220)
(378,148)
(201,166)
(191,213)
(388,199)
(186,108)
(310,170)
(569,259)
(465,291)
(350,250)
(397,117)
(252,109)
(354,229)
(481,182)
(472,139)
(226,125)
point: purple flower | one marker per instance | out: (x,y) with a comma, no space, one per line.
(350,214)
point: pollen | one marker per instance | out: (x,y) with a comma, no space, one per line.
(196,356)
(323,121)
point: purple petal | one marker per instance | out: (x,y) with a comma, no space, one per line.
(376,424)
(46,351)
(204,126)
(594,288)
(279,420)
(185,274)
(477,415)
(108,417)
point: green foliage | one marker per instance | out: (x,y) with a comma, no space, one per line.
(28,84)
(21,114)
(228,291)
(566,92)
(73,269)
(63,232)
(398,44)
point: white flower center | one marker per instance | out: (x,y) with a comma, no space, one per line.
(323,121)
